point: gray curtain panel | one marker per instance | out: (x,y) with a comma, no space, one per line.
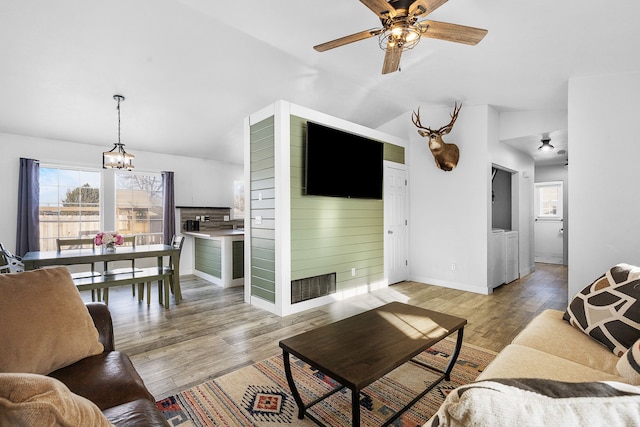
(169,207)
(28,229)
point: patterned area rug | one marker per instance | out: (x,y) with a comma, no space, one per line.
(258,395)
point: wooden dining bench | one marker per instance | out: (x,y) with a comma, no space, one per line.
(138,276)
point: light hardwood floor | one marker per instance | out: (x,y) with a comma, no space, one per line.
(213,331)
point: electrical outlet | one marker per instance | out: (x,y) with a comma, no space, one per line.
(353,271)
(453,267)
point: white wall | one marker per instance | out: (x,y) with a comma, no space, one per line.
(198,182)
(448,219)
(450,212)
(603,171)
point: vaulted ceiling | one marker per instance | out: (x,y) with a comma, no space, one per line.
(192,70)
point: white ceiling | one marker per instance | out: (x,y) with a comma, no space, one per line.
(192,70)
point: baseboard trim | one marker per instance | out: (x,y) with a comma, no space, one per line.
(453,285)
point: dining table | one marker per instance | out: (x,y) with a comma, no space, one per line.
(36,259)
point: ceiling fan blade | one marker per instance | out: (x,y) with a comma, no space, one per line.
(391,58)
(452,32)
(348,39)
(381,8)
(424,7)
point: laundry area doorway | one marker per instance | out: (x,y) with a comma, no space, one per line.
(503,254)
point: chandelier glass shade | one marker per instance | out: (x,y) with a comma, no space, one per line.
(117,157)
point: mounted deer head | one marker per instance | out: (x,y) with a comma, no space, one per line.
(445,155)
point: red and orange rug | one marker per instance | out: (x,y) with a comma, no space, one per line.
(259,396)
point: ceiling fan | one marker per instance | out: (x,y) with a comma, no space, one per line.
(401,30)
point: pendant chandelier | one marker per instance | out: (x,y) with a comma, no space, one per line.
(117,158)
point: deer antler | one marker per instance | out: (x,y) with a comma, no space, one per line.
(454,116)
(415,118)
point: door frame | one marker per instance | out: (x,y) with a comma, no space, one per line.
(549,220)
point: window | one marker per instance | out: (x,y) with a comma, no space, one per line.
(69,204)
(238,199)
(139,206)
(548,200)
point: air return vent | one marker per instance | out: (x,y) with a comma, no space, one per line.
(313,287)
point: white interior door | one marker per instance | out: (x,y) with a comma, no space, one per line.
(396,225)
(548,228)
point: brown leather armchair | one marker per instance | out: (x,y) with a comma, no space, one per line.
(110,380)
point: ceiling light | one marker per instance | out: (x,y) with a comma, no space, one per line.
(117,158)
(546,146)
(402,33)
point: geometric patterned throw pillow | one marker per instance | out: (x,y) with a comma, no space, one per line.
(608,310)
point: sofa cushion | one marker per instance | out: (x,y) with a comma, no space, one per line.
(32,399)
(518,361)
(629,364)
(139,412)
(535,402)
(107,379)
(45,323)
(608,310)
(548,332)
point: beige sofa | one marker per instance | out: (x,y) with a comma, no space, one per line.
(550,348)
(581,371)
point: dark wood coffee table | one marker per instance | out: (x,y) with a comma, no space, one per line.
(362,349)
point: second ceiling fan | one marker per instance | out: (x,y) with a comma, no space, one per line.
(401,30)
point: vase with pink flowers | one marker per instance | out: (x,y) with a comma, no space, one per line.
(108,240)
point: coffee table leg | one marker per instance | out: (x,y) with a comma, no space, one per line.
(454,356)
(292,385)
(355,408)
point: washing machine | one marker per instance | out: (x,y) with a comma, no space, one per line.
(497,258)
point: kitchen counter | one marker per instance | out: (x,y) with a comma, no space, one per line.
(218,256)
(213,234)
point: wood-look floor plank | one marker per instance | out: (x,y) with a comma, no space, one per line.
(213,332)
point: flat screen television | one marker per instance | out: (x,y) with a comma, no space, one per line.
(341,164)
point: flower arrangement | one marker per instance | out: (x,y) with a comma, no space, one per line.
(108,238)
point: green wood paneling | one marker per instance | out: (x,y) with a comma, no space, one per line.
(259,254)
(332,234)
(208,256)
(262,176)
(266,295)
(327,234)
(394,153)
(238,259)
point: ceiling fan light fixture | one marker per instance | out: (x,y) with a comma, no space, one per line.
(546,145)
(402,34)
(117,157)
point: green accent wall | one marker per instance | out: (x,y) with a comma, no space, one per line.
(238,259)
(394,153)
(262,182)
(333,234)
(209,257)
